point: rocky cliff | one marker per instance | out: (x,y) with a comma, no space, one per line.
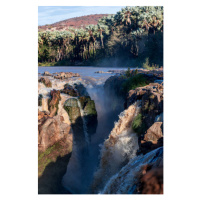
(132,156)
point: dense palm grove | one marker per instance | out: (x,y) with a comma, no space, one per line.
(131,36)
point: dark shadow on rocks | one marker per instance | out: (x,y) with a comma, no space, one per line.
(50,181)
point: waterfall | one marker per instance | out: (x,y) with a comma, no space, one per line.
(118,149)
(45,104)
(84,122)
(74,178)
(85,131)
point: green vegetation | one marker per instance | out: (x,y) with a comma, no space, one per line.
(146,65)
(138,126)
(139,80)
(130,36)
(40,99)
(50,155)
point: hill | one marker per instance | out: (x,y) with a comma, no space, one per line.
(76,22)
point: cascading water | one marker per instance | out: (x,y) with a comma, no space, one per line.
(81,167)
(118,149)
(84,122)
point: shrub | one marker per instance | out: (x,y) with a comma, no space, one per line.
(138,126)
(139,80)
(128,73)
(147,66)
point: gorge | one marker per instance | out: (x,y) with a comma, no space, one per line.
(91,133)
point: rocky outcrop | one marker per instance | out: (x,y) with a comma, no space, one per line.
(68,89)
(50,130)
(53,102)
(66,75)
(55,140)
(45,81)
(46,73)
(149,129)
(81,89)
(73,106)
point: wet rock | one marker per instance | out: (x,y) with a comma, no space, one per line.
(90,113)
(45,81)
(73,110)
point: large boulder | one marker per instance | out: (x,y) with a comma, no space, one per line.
(46,73)
(154,132)
(55,140)
(45,81)
(68,89)
(90,113)
(50,130)
(66,75)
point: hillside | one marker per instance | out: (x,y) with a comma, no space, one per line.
(76,22)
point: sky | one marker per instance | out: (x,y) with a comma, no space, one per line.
(52,14)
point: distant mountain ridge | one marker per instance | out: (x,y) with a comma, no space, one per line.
(76,22)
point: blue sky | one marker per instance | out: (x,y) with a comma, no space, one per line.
(52,14)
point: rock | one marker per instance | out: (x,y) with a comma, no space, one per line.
(139,175)
(81,89)
(152,180)
(154,133)
(51,131)
(90,113)
(66,75)
(89,110)
(45,81)
(40,99)
(72,108)
(150,118)
(53,102)
(68,89)
(46,73)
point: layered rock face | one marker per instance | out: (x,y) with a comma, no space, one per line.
(142,171)
(150,128)
(51,130)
